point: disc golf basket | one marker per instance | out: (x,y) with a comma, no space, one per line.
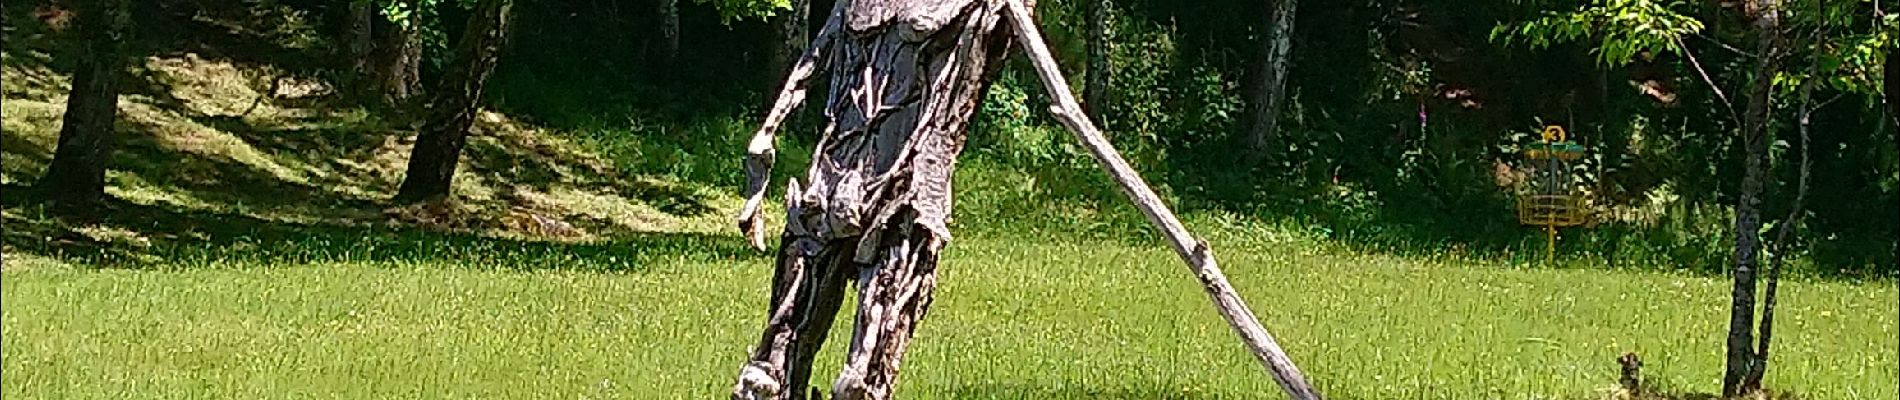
(1549,197)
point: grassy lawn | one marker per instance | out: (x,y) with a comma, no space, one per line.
(1015,319)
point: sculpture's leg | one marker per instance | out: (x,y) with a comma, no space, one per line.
(807,289)
(893,296)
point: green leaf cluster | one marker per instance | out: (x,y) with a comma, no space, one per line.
(1621,29)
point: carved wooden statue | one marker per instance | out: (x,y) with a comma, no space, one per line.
(906,77)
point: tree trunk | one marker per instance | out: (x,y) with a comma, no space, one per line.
(1270,86)
(452,111)
(397,56)
(1892,83)
(793,25)
(669,30)
(86,139)
(1099,70)
(1784,236)
(1755,123)
(360,36)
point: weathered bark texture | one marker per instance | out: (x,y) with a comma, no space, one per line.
(1784,235)
(452,110)
(1199,257)
(1099,70)
(792,29)
(1270,86)
(906,77)
(1892,97)
(86,140)
(398,57)
(1741,354)
(1892,90)
(669,46)
(360,35)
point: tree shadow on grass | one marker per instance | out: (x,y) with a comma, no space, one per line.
(495,152)
(16,146)
(215,177)
(283,35)
(513,156)
(296,188)
(123,234)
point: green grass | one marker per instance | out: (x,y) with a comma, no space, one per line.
(1014,319)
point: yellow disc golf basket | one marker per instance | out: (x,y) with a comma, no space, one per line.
(1550,196)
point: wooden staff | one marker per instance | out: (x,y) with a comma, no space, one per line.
(1195,252)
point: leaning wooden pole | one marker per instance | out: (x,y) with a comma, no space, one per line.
(1193,251)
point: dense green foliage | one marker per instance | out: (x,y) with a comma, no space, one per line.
(1403,110)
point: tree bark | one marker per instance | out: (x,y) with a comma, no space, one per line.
(1892,90)
(439,145)
(669,31)
(398,56)
(793,25)
(1784,235)
(1892,83)
(77,172)
(360,36)
(1099,70)
(1755,123)
(1270,87)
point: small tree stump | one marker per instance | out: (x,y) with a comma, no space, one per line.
(1632,374)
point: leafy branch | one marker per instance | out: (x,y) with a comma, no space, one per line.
(1622,29)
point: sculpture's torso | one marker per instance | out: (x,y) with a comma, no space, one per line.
(905,81)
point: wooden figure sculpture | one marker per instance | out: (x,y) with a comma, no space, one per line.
(906,77)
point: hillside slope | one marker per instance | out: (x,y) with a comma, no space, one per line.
(216,151)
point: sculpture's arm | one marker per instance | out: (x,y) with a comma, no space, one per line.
(759,152)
